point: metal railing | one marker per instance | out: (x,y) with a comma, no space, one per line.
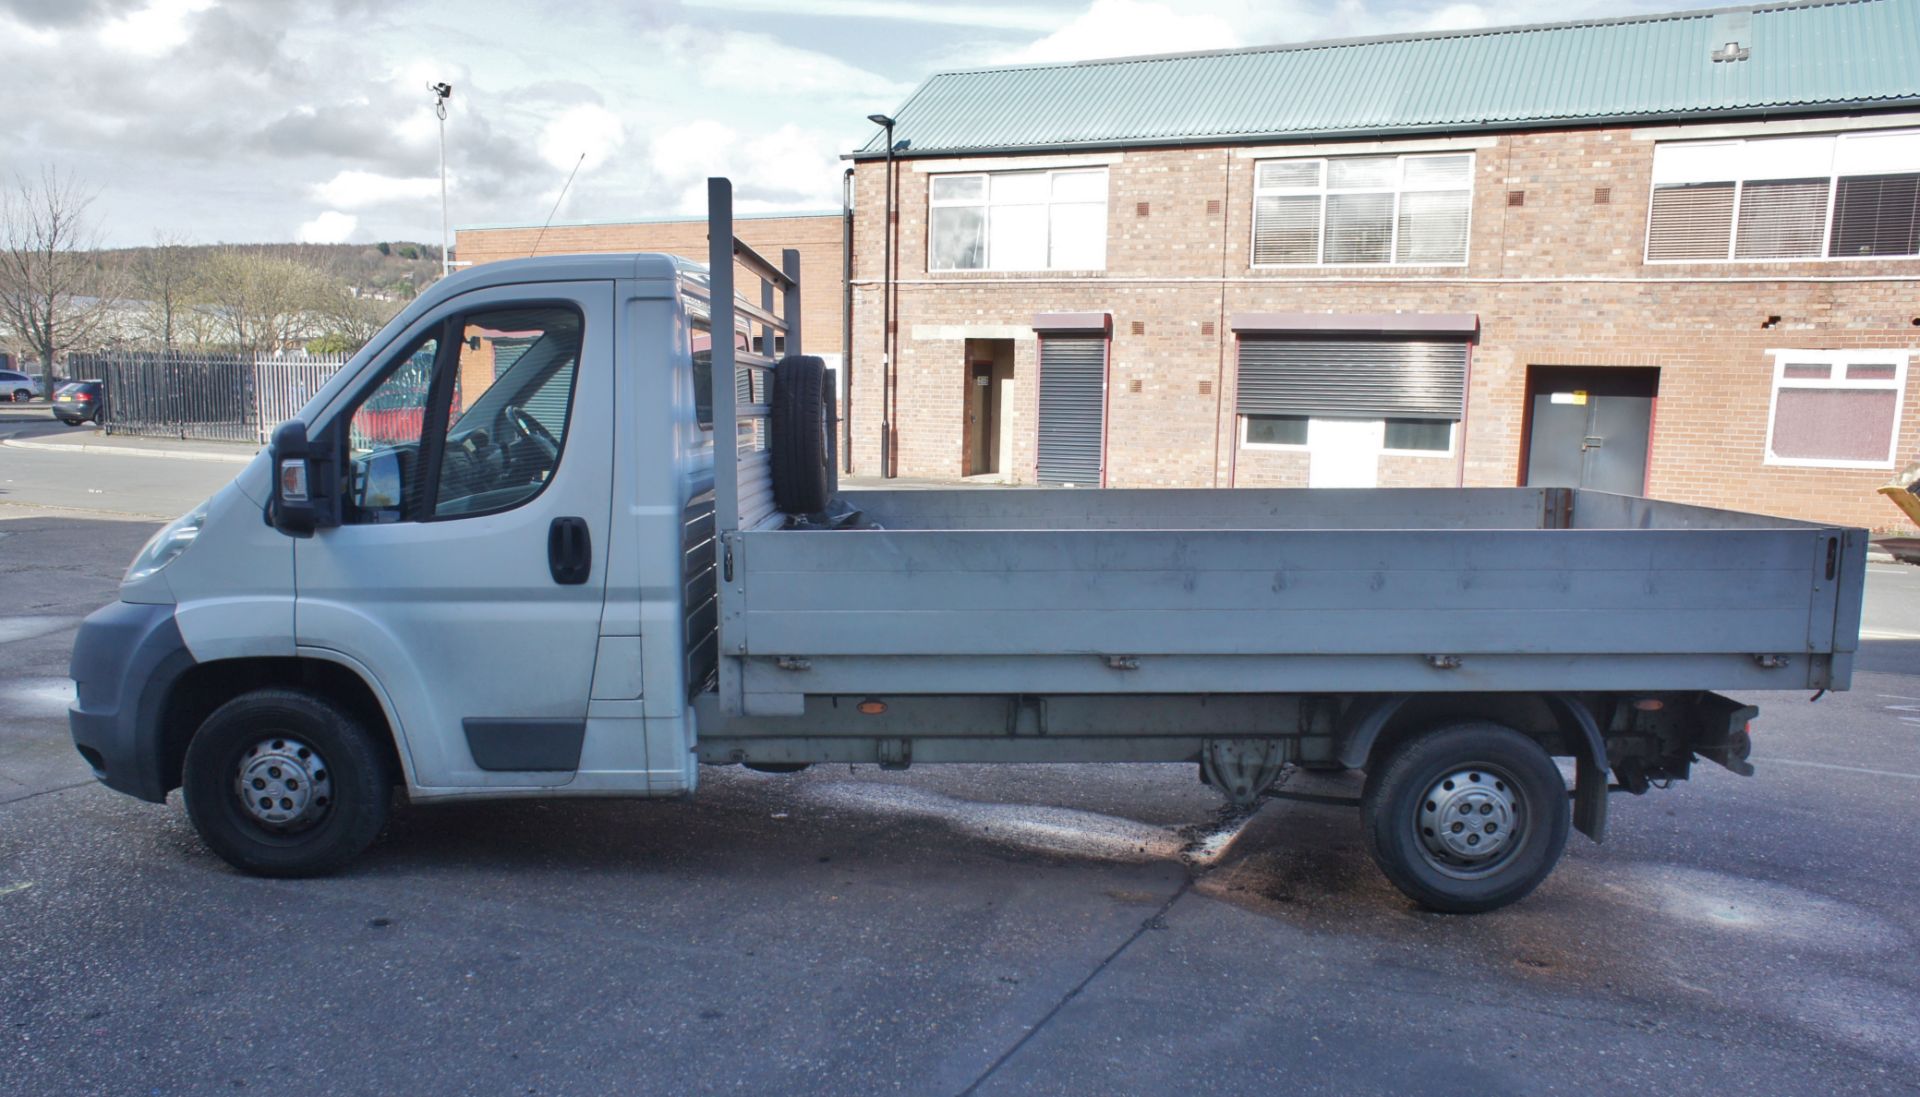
(225,397)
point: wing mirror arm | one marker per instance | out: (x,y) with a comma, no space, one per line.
(306,481)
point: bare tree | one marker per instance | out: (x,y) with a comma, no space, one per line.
(353,318)
(52,292)
(166,277)
(264,302)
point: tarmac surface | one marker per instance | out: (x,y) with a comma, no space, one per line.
(946,930)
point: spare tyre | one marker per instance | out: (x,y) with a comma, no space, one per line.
(802,436)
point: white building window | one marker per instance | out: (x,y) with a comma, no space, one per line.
(1836,409)
(1828,196)
(1408,210)
(1018,220)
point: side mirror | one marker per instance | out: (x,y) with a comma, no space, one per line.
(379,485)
(304,491)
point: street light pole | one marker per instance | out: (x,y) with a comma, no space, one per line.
(441,93)
(887,469)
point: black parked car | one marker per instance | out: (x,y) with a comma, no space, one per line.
(77,402)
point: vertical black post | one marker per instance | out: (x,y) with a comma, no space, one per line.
(846,319)
(888,381)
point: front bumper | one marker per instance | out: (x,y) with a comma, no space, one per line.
(125,662)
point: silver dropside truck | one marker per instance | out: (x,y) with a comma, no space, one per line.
(550,535)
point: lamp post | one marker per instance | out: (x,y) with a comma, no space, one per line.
(886,310)
(441,93)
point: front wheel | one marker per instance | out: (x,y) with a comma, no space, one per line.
(21,396)
(283,782)
(1467,817)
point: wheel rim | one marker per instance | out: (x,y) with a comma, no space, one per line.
(283,784)
(1472,821)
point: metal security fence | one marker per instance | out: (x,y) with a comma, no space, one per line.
(282,386)
(229,397)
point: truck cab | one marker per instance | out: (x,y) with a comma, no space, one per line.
(490,533)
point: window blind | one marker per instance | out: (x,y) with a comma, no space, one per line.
(1690,221)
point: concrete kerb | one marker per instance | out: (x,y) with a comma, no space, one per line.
(135,451)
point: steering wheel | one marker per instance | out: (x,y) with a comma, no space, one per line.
(532,428)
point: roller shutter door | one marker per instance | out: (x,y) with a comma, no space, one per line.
(1353,378)
(1073,410)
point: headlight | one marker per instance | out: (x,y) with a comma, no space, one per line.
(167,544)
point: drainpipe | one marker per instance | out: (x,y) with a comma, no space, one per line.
(846,320)
(887,382)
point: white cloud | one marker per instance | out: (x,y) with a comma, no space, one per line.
(1125,28)
(583,128)
(160,27)
(359,189)
(907,11)
(1457,17)
(790,168)
(330,227)
(793,74)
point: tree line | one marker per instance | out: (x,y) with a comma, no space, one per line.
(61,293)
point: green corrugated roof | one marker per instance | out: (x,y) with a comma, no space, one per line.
(1802,57)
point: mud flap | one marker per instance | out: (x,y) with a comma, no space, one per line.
(1590,766)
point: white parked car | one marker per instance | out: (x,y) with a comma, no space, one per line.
(19,387)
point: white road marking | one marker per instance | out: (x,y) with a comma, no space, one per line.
(1843,769)
(1888,634)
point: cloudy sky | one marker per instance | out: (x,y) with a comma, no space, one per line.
(272,120)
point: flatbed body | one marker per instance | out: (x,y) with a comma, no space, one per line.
(1181,591)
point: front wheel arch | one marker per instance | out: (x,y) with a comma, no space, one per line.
(204,687)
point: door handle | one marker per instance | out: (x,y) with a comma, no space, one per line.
(1592,442)
(569,551)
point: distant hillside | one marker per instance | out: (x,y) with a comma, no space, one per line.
(394,269)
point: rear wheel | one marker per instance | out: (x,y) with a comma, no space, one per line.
(282,782)
(21,396)
(1467,817)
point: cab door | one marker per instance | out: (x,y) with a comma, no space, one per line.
(469,571)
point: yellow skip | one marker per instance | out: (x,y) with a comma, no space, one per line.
(1901,492)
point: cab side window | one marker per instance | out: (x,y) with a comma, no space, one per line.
(471,421)
(512,397)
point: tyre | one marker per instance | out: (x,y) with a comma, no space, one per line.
(21,396)
(802,436)
(283,782)
(1465,818)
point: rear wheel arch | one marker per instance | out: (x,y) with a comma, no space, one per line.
(1375,724)
(204,687)
(1562,723)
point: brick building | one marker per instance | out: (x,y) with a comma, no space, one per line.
(819,237)
(1677,255)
